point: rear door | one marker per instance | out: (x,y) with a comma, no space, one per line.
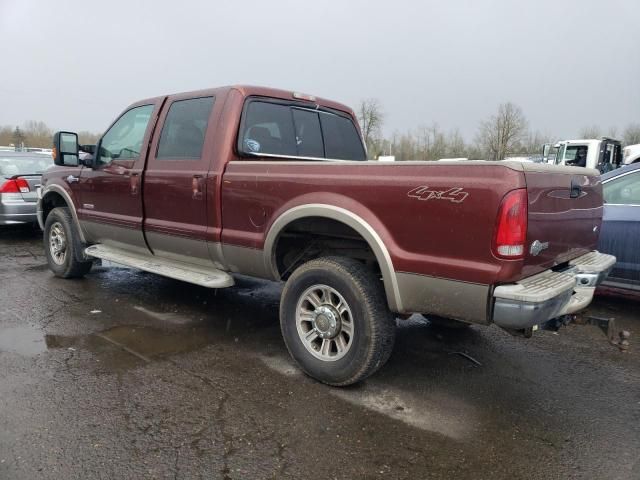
(175,181)
(621,225)
(110,209)
(565,214)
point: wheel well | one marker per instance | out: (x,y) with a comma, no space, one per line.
(312,237)
(50,201)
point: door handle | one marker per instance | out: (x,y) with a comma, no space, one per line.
(196,187)
(576,189)
(134,180)
(73,179)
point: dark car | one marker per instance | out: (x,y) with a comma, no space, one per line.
(20,174)
(620,235)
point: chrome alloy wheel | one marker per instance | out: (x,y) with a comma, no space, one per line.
(57,243)
(324,322)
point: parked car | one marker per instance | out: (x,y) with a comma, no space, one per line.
(19,177)
(620,234)
(277,185)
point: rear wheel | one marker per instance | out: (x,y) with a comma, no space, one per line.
(62,245)
(335,320)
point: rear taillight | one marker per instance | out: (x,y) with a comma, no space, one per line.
(511,226)
(18,185)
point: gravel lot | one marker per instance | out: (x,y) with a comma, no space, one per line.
(129,375)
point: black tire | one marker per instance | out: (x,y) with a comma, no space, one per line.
(72,264)
(373,324)
(442,322)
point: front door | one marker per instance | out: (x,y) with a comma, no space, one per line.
(175,181)
(110,192)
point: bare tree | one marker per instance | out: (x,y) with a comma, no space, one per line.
(88,138)
(592,131)
(631,135)
(455,144)
(371,119)
(37,134)
(502,133)
(6,136)
(533,142)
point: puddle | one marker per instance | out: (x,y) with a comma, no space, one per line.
(173,318)
(23,340)
(125,347)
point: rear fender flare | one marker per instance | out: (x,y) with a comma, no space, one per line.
(348,218)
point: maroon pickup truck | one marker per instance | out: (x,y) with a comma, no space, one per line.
(274,184)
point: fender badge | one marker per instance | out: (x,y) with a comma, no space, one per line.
(537,246)
(455,194)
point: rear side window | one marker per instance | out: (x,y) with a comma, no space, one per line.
(184,129)
(280,129)
(341,139)
(269,129)
(308,133)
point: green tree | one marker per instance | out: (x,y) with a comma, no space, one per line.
(18,137)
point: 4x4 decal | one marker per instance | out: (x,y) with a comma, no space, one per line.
(455,195)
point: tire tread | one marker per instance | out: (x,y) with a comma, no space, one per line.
(371,290)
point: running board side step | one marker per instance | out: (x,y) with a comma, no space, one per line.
(199,275)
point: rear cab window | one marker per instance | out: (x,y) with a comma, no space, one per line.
(272,128)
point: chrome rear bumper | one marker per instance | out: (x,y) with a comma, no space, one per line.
(537,299)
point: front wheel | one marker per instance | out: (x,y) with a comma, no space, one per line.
(335,320)
(62,245)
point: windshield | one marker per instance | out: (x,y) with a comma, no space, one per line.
(23,165)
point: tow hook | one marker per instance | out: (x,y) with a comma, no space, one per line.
(618,338)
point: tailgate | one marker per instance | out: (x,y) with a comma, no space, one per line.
(565,214)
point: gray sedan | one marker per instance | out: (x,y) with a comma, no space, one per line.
(20,174)
(620,235)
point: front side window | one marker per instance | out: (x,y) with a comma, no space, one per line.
(288,130)
(185,128)
(624,190)
(123,141)
(576,155)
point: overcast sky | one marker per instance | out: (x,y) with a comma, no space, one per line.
(568,64)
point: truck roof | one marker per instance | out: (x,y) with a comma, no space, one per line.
(249,90)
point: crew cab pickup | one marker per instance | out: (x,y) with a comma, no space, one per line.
(277,185)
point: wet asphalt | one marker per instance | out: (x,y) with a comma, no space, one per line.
(127,375)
